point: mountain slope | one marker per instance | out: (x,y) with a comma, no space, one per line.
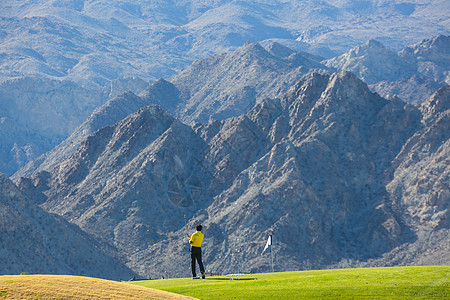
(38,113)
(35,241)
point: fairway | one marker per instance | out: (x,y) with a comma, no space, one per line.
(74,287)
(371,283)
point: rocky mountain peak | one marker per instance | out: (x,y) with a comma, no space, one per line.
(104,114)
(162,93)
(228,85)
(277,49)
(371,46)
(303,95)
(111,112)
(147,119)
(145,114)
(346,86)
(265,113)
(250,48)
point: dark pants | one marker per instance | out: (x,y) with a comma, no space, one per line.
(196,254)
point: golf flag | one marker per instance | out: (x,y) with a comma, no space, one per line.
(269,242)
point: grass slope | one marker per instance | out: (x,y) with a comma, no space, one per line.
(74,287)
(373,283)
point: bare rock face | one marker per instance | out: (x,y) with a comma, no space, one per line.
(420,182)
(328,168)
(419,185)
(37,242)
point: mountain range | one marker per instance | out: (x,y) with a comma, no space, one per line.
(214,88)
(339,175)
(95,42)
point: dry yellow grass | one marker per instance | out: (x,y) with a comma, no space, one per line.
(74,287)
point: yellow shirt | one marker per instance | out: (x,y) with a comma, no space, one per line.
(196,239)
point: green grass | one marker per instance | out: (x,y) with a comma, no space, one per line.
(368,283)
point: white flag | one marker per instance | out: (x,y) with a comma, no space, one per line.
(269,243)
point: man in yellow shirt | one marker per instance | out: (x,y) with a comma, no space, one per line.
(196,251)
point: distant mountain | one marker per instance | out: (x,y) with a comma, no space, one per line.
(432,57)
(36,242)
(36,114)
(93,43)
(413,74)
(328,168)
(373,62)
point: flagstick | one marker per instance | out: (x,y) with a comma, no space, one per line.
(271,254)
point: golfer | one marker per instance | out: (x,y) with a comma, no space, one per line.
(196,251)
